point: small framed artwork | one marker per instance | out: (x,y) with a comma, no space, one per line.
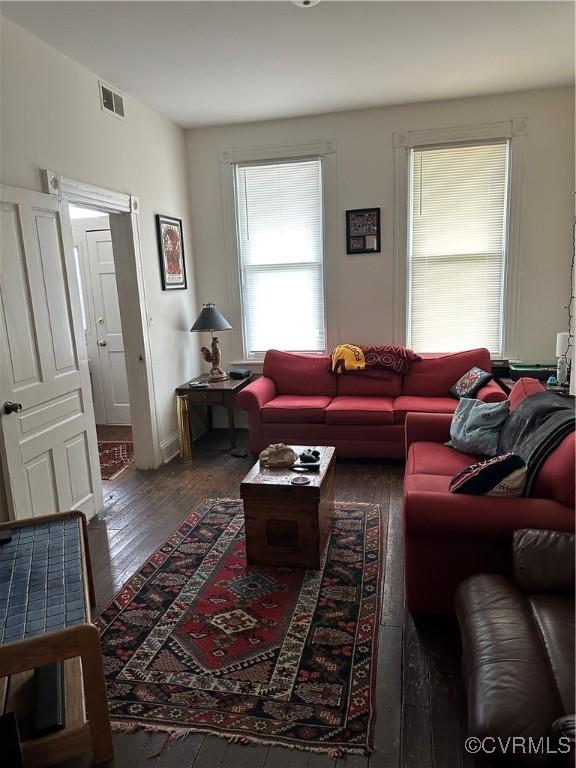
(363,230)
(171,247)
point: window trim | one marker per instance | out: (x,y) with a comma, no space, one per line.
(229,159)
(513,131)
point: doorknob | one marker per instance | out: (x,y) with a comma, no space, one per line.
(102,343)
(10,407)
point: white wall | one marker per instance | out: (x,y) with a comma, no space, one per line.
(50,117)
(365,178)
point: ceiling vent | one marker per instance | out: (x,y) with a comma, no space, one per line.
(111,100)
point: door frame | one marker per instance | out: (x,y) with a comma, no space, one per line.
(125,231)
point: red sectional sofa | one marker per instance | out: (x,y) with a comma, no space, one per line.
(299,400)
(449,537)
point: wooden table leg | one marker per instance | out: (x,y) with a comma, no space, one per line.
(231,426)
(183,417)
(95,691)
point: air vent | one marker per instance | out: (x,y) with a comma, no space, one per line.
(111,101)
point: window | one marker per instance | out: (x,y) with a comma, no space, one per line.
(279,221)
(457,223)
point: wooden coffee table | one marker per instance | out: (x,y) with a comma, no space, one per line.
(287,525)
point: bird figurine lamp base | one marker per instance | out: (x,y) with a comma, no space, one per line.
(214,356)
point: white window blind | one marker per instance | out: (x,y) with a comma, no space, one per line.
(280,226)
(457,247)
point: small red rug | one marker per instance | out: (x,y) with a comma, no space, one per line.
(197,640)
(115,457)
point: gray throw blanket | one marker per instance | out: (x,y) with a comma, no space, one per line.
(535,428)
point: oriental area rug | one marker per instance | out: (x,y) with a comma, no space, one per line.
(197,640)
(115,457)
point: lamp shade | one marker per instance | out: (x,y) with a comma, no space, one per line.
(211,319)
(562,340)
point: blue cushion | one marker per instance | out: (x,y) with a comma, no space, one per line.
(476,426)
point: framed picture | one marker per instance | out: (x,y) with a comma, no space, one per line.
(171,247)
(363,230)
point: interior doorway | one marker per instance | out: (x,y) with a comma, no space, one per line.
(102,322)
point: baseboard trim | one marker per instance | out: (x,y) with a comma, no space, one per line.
(169,447)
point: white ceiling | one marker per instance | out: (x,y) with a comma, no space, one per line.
(209,63)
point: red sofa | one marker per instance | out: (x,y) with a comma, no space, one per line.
(299,400)
(449,537)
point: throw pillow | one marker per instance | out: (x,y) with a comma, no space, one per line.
(476,426)
(470,383)
(501,476)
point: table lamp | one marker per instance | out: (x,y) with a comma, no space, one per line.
(211,319)
(562,348)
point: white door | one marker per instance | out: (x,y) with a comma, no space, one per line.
(108,327)
(49,449)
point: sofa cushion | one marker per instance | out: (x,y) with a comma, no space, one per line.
(556,478)
(420,404)
(296,408)
(432,512)
(434,374)
(554,616)
(363,411)
(370,383)
(296,374)
(436,459)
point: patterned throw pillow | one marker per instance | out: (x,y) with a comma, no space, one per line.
(476,426)
(501,476)
(470,383)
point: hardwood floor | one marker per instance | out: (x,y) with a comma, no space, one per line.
(114,432)
(418,692)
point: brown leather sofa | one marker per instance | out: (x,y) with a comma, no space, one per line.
(518,652)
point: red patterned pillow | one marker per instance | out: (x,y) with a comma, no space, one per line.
(470,383)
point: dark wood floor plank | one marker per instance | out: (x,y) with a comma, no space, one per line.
(278,757)
(211,752)
(298,759)
(416,738)
(353,761)
(440,640)
(156,745)
(393,592)
(128,748)
(320,760)
(415,672)
(386,752)
(244,756)
(180,753)
(114,432)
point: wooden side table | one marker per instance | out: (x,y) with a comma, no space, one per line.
(46,592)
(216,393)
